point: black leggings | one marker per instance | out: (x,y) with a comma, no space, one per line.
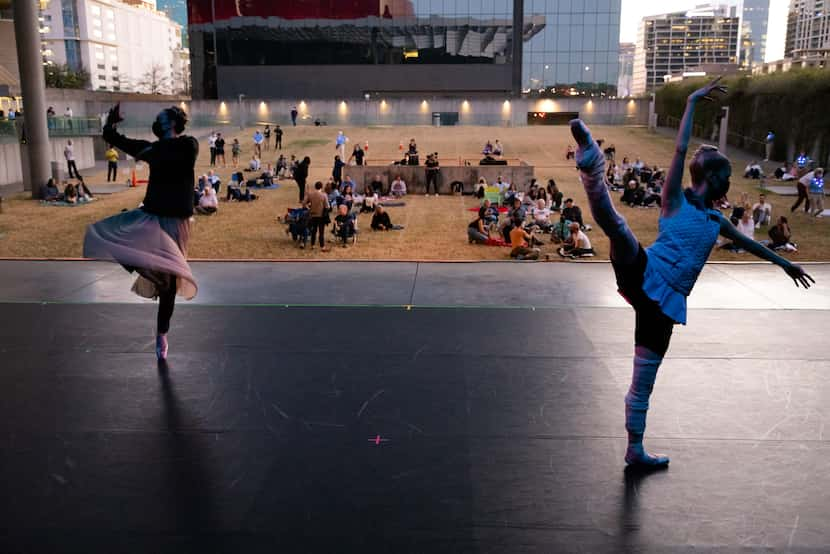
(318,224)
(167,302)
(432,177)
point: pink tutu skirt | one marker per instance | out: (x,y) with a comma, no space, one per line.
(153,246)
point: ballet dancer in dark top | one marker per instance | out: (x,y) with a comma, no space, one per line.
(152,240)
(657,280)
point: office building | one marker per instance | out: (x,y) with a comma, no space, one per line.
(329,48)
(754,20)
(125,46)
(808,30)
(681,42)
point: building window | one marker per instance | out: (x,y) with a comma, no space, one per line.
(102,77)
(114,68)
(101,66)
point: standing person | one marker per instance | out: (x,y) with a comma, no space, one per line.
(301,175)
(267,136)
(258,138)
(69,154)
(817,192)
(294,116)
(219,145)
(337,170)
(656,280)
(278,138)
(357,155)
(152,240)
(236,149)
(768,143)
(318,211)
(112,163)
(212,145)
(340,144)
(67,114)
(433,168)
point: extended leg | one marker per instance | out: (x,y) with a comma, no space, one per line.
(591,162)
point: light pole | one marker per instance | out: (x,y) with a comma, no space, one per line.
(724,129)
(241,115)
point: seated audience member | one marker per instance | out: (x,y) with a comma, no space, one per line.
(571,212)
(398,187)
(637,166)
(645,174)
(214,181)
(347,180)
(201,183)
(381,220)
(502,186)
(746,227)
(344,227)
(630,195)
(516,213)
(208,203)
(625,166)
(370,200)
(542,194)
(761,211)
(652,192)
(510,193)
(541,216)
(570,153)
(519,240)
(555,196)
(781,236)
(281,168)
(481,187)
(477,230)
(70,194)
(753,170)
(498,150)
(780,171)
(49,191)
(377,185)
(267,176)
(332,194)
(346,199)
(254,164)
(488,149)
(577,245)
(491,213)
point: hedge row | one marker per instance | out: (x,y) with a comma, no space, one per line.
(795,105)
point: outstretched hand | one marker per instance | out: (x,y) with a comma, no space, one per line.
(114,115)
(588,157)
(799,275)
(705,93)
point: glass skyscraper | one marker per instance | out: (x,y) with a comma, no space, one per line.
(580,44)
(350,47)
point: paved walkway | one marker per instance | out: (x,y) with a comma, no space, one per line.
(751,286)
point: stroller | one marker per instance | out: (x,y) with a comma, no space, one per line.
(297,221)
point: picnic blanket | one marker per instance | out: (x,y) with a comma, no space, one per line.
(502,209)
(272,186)
(66,204)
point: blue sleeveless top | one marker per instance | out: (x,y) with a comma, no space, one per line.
(676,258)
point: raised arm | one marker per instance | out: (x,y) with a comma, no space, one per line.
(672,195)
(133,147)
(796,272)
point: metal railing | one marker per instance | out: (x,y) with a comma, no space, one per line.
(57,127)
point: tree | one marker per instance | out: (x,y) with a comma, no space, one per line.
(63,76)
(155,80)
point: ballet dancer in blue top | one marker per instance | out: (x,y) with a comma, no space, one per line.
(656,280)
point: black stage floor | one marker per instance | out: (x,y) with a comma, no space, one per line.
(393,430)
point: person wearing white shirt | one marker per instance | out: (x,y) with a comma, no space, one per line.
(578,245)
(68,115)
(541,215)
(212,145)
(69,154)
(761,211)
(254,164)
(208,203)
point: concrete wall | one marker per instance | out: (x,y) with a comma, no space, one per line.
(352,80)
(412,111)
(415,176)
(12,157)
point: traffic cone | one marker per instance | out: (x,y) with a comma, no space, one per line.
(132,178)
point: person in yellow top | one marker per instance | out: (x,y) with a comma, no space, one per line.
(112,163)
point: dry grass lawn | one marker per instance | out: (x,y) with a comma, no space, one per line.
(435,227)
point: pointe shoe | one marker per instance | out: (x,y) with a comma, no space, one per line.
(161,347)
(636,456)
